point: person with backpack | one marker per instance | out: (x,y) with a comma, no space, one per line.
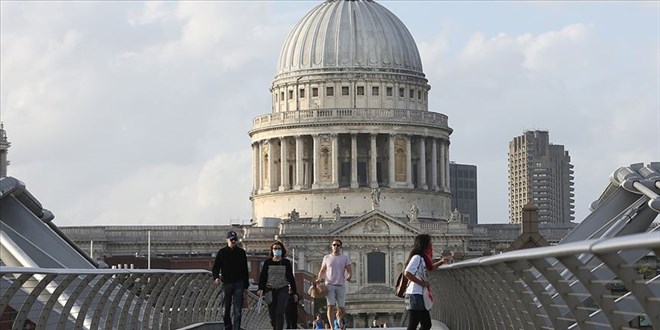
(418,294)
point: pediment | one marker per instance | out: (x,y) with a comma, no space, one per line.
(375,223)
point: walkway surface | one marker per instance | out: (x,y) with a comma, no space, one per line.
(437,325)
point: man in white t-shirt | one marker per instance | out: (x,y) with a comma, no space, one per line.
(336,269)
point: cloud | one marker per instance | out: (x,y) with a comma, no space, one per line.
(138,112)
(131,131)
(174,194)
(568,81)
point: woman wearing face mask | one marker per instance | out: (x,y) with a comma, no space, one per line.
(275,280)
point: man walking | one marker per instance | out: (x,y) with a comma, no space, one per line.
(230,269)
(334,268)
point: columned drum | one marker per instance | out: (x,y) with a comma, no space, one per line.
(350,126)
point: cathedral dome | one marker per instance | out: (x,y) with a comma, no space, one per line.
(341,35)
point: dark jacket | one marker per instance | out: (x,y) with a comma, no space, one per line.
(231,266)
(263,277)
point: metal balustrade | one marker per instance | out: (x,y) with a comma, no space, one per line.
(592,284)
(39,298)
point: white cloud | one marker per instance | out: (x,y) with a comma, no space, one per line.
(567,81)
(138,112)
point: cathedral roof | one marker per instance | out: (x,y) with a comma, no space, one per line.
(350,34)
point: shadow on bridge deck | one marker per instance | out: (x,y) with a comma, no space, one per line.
(437,325)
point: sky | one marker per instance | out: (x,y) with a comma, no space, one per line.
(128,112)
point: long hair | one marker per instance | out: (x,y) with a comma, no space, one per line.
(422,241)
(281,245)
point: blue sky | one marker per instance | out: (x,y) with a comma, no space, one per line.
(138,112)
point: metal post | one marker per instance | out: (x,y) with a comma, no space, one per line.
(149,249)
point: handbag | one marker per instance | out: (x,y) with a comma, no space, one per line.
(428,299)
(317,290)
(401,285)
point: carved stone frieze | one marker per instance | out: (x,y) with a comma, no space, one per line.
(377,226)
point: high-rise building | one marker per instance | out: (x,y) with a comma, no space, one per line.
(541,173)
(463,183)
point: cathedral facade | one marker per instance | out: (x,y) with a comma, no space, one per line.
(351,150)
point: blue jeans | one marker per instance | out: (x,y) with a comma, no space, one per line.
(233,292)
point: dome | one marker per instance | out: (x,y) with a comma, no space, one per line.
(350,34)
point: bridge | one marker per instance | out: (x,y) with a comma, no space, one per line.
(603,275)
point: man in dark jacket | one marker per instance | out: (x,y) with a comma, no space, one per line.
(230,269)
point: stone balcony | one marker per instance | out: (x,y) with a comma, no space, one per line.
(349,116)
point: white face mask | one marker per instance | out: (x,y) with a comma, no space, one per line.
(277,253)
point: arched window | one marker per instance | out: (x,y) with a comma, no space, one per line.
(376,267)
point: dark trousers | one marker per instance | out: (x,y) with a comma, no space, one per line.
(277,307)
(233,293)
(421,317)
(292,315)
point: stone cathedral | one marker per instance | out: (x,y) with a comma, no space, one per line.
(351,150)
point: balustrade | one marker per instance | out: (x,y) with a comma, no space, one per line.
(349,115)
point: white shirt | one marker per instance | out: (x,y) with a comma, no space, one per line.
(417,267)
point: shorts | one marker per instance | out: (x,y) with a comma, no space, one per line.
(414,302)
(336,295)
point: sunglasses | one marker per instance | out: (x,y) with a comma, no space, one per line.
(336,244)
(233,239)
(277,249)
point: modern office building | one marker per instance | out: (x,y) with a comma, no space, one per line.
(463,184)
(541,173)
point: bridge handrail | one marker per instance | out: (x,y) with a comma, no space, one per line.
(649,240)
(598,283)
(60,298)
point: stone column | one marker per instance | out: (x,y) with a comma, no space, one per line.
(354,157)
(315,162)
(262,169)
(284,166)
(255,168)
(409,161)
(434,164)
(299,163)
(272,171)
(335,160)
(443,165)
(390,163)
(302,262)
(446,162)
(422,163)
(372,168)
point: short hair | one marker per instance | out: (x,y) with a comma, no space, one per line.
(337,240)
(281,245)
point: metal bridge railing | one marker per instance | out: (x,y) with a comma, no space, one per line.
(592,284)
(39,298)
